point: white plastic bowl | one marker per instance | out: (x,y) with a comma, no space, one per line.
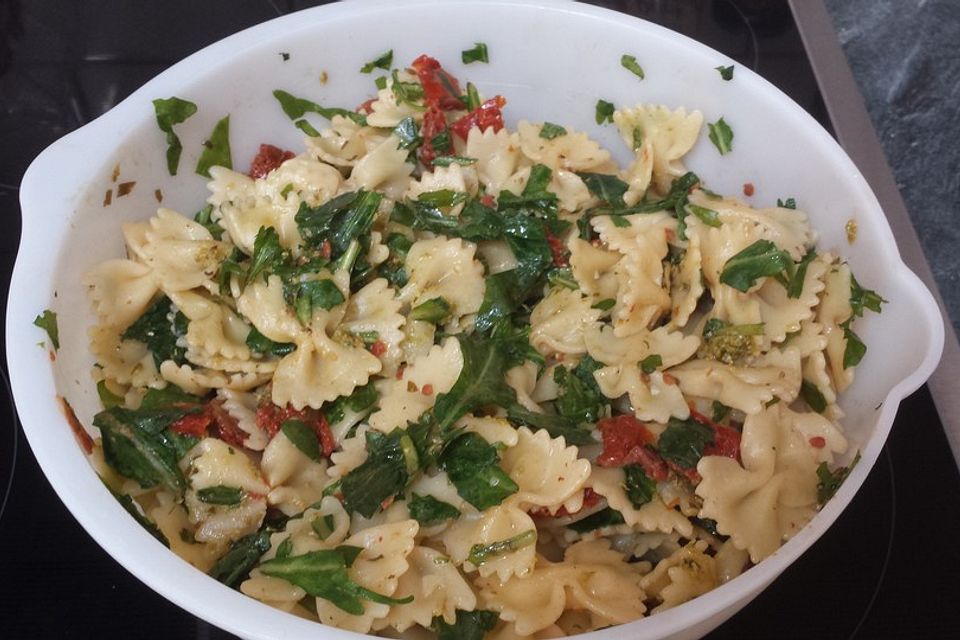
(552,60)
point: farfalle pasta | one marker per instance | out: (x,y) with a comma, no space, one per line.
(434,375)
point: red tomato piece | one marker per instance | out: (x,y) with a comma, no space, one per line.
(434,123)
(726,441)
(485,116)
(440,89)
(626,441)
(427,390)
(228,429)
(270,417)
(561,257)
(366,107)
(192,424)
(268,159)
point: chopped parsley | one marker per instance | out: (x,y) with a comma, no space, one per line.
(721,135)
(725,72)
(48,322)
(630,63)
(477,54)
(549,131)
(383,61)
(169,112)
(604,111)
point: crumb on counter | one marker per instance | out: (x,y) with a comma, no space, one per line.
(851,229)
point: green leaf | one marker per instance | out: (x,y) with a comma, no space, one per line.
(216,149)
(630,63)
(725,72)
(708,217)
(221,495)
(651,363)
(130,506)
(108,398)
(429,511)
(640,488)
(472,99)
(323,526)
(362,399)
(48,322)
(855,350)
(390,460)
(383,61)
(761,259)
(285,548)
(234,567)
(477,54)
(170,396)
(469,625)
(789,203)
(409,133)
(303,438)
(720,411)
(549,131)
(316,294)
(472,465)
(721,135)
(812,396)
(433,310)
(267,254)
(607,188)
(579,397)
(829,481)
(606,517)
(683,442)
(158,332)
(604,111)
(562,278)
(446,161)
(296,108)
(861,298)
(481,553)
(556,425)
(171,111)
(795,287)
(323,574)
(307,128)
(260,343)
(605,305)
(204,218)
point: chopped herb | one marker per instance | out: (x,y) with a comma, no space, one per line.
(409,133)
(434,310)
(721,135)
(446,161)
(472,99)
(441,142)
(159,332)
(391,459)
(170,396)
(605,305)
(683,442)
(267,254)
(855,349)
(579,397)
(708,217)
(429,511)
(637,138)
(477,54)
(640,487)
(725,72)
(262,344)
(234,567)
(284,55)
(470,625)
(651,363)
(473,466)
(720,411)
(383,61)
(216,150)
(296,108)
(562,278)
(630,63)
(307,128)
(323,526)
(303,438)
(861,298)
(604,111)
(171,111)
(795,288)
(606,517)
(108,398)
(315,294)
(48,322)
(442,198)
(406,92)
(286,190)
(549,131)
(480,553)
(204,218)
(812,396)
(608,188)
(830,481)
(380,82)
(339,221)
(620,222)
(221,495)
(285,548)
(761,259)
(789,203)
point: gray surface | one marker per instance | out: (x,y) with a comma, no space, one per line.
(904,56)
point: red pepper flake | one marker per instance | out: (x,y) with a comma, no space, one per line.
(488,201)
(440,89)
(485,116)
(267,159)
(669,379)
(818,442)
(561,257)
(748,189)
(726,440)
(378,348)
(590,499)
(83,438)
(124,188)
(427,390)
(626,440)
(366,107)
(52,355)
(108,197)
(434,123)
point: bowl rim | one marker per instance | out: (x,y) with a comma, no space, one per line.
(230,609)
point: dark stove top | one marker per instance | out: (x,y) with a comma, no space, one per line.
(885,570)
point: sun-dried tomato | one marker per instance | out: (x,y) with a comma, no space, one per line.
(485,116)
(193,424)
(726,440)
(267,159)
(378,348)
(561,257)
(434,123)
(626,441)
(440,89)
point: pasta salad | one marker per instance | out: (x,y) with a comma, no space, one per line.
(433,374)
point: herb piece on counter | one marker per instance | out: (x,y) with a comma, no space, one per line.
(169,112)
(216,149)
(630,63)
(48,322)
(234,567)
(383,61)
(829,481)
(429,511)
(549,131)
(721,135)
(478,53)
(469,625)
(296,108)
(604,111)
(761,259)
(159,333)
(725,72)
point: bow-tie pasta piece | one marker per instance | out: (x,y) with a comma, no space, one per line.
(345,142)
(120,291)
(497,154)
(652,516)
(547,471)
(296,481)
(182,253)
(572,151)
(375,310)
(558,322)
(833,311)
(665,136)
(683,576)
(384,168)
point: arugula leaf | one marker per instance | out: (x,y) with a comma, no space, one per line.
(725,72)
(391,459)
(761,259)
(861,298)
(708,217)
(727,342)
(262,344)
(285,548)
(433,310)
(234,567)
(323,574)
(170,396)
(630,63)
(579,397)
(606,517)
(640,488)
(855,349)
(203,217)
(721,135)
(362,399)
(476,222)
(470,625)
(339,221)
(606,187)
(383,61)
(795,287)
(549,131)
(409,133)
(315,294)
(442,198)
(683,442)
(555,425)
(473,466)
(171,111)
(48,322)
(812,396)
(477,54)
(323,526)
(221,495)
(605,305)
(562,278)
(651,363)
(303,438)
(429,511)
(604,111)
(789,203)
(480,553)
(159,333)
(830,481)
(130,506)
(267,254)
(216,149)
(108,398)
(296,108)
(137,445)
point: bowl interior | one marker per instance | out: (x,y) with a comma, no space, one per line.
(552,64)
